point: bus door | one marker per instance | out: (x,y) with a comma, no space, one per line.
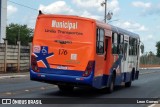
(125,54)
(100,53)
(107,55)
(106,48)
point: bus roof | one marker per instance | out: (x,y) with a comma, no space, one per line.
(118,30)
(66,16)
(125,32)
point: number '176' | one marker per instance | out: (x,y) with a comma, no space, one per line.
(63,52)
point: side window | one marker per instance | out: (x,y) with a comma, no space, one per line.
(114,43)
(132,46)
(100,41)
(122,39)
(121,44)
(135,46)
(125,51)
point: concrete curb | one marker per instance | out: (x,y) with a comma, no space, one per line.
(14,75)
(151,68)
(148,73)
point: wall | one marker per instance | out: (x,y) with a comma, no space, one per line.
(14,57)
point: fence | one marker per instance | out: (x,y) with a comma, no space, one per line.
(14,57)
(149,60)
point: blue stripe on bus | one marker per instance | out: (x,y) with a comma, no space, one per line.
(117,63)
(68,76)
(61,72)
(104,81)
(127,76)
(100,81)
(124,77)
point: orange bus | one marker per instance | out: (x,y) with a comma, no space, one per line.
(72,51)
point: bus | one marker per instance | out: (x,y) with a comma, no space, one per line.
(72,51)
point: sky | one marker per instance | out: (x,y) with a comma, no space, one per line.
(139,16)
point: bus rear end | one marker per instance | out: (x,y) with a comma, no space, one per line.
(63,51)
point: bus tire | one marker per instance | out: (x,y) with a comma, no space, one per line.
(133,74)
(111,85)
(65,88)
(128,84)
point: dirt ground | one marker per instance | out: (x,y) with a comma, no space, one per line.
(147,66)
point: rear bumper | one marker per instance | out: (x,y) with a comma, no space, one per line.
(61,79)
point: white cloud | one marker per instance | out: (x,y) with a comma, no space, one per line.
(147,8)
(61,7)
(112,5)
(11,10)
(86,8)
(88,3)
(30,20)
(89,15)
(132,26)
(141,4)
(57,7)
(147,38)
(149,46)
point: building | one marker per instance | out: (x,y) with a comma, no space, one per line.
(3,19)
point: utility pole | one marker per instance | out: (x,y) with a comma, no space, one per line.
(105,11)
(19,31)
(104,3)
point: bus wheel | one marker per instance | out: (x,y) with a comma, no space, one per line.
(128,84)
(111,86)
(65,88)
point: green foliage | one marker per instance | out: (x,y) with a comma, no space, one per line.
(158,48)
(17,32)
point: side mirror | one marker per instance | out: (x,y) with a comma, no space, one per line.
(142,48)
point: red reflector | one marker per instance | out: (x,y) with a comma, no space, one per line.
(34,65)
(89,69)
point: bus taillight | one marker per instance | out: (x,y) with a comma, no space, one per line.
(89,69)
(34,64)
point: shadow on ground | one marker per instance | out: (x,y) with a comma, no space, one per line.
(87,92)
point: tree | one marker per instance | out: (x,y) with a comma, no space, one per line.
(158,48)
(17,32)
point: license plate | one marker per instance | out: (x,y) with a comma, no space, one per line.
(62,67)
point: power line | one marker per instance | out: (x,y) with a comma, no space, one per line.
(23,5)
